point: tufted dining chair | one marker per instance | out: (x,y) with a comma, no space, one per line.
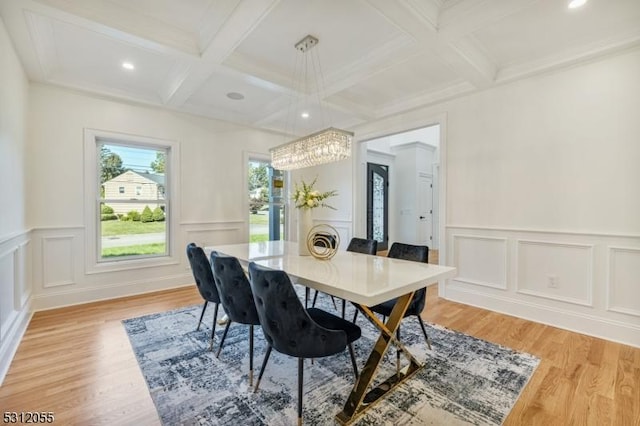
(291,329)
(236,298)
(203,276)
(414,253)
(356,245)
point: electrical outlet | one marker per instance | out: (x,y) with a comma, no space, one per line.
(552,281)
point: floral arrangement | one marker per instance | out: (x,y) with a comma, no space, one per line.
(306,197)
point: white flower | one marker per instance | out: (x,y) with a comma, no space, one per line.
(306,197)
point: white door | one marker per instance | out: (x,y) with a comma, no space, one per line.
(424,209)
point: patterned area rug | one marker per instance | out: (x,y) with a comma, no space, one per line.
(465,381)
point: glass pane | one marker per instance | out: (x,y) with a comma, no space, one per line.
(258,193)
(133,201)
(378,207)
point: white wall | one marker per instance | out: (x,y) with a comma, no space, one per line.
(539,170)
(15,257)
(212,191)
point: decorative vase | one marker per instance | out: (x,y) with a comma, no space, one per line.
(305,223)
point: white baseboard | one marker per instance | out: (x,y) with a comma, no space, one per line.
(77,296)
(617,331)
(13,337)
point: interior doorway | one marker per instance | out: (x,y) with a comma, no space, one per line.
(412,161)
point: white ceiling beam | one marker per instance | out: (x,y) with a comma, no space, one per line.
(467,64)
(121,23)
(244,19)
(472,15)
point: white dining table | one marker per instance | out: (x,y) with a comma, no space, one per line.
(363,279)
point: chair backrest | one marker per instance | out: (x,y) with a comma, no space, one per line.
(409,252)
(285,323)
(234,289)
(202,273)
(363,245)
(416,254)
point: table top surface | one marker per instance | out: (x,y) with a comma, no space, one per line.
(360,278)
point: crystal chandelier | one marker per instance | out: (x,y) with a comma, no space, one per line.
(322,147)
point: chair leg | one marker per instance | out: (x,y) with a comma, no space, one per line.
(307,292)
(353,360)
(224,336)
(264,364)
(213,327)
(300,380)
(204,307)
(424,331)
(315,299)
(344,307)
(333,300)
(355,315)
(251,355)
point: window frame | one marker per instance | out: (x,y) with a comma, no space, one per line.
(95,263)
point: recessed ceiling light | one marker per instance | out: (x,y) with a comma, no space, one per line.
(574,4)
(235,96)
(305,114)
(128,66)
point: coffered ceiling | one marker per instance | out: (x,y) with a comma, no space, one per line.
(378,57)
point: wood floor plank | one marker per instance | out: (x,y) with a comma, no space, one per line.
(78,363)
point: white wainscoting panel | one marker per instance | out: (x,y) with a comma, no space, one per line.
(7,289)
(15,295)
(480,260)
(23,274)
(623,281)
(58,260)
(569,265)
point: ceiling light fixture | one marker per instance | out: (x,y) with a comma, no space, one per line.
(574,4)
(305,114)
(128,66)
(321,147)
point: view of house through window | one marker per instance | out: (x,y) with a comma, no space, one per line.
(133,201)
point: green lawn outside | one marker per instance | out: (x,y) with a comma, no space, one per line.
(116,227)
(259,219)
(140,249)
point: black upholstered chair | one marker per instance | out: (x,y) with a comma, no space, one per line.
(291,329)
(203,275)
(416,254)
(236,298)
(356,245)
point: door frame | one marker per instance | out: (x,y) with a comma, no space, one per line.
(389,127)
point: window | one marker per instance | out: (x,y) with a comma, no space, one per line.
(131,226)
(123,230)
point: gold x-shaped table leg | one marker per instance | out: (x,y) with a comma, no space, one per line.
(354,406)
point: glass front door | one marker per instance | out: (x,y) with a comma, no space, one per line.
(378,204)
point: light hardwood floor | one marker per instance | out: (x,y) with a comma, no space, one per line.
(77,362)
